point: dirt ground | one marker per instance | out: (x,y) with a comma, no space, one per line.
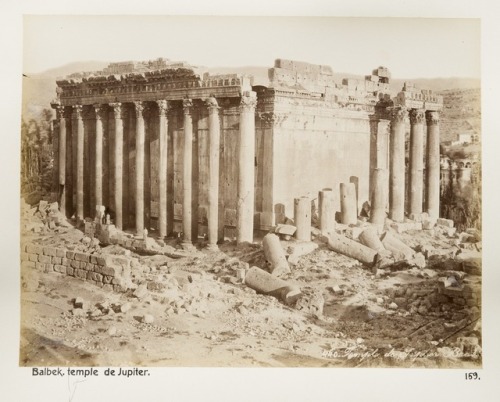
(204,314)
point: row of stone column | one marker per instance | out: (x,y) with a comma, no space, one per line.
(390,165)
(245,162)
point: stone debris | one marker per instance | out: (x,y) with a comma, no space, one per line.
(285,231)
(78,303)
(147,319)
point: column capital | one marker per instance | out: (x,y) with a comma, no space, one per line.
(432,117)
(398,114)
(99,111)
(248,100)
(60,112)
(139,108)
(117,109)
(417,116)
(212,105)
(163,107)
(78,111)
(187,104)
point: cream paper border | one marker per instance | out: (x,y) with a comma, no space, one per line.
(183,384)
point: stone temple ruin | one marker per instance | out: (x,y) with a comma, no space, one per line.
(310,176)
(171,150)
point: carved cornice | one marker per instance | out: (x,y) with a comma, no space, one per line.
(432,118)
(163,107)
(417,116)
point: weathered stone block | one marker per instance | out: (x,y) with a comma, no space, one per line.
(93,259)
(82,257)
(32,248)
(60,268)
(448,223)
(101,260)
(65,262)
(49,251)
(60,253)
(24,256)
(40,266)
(33,257)
(97,277)
(56,260)
(70,271)
(70,255)
(119,289)
(44,258)
(75,264)
(81,273)
(107,287)
(28,264)
(107,279)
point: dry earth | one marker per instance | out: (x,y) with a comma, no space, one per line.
(195,310)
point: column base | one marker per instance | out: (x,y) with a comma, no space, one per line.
(187,245)
(212,247)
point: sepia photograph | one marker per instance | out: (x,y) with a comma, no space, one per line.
(215,206)
(249,202)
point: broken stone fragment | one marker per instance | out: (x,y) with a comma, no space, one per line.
(285,230)
(141,292)
(399,249)
(148,319)
(418,260)
(265,283)
(343,245)
(125,307)
(448,223)
(112,331)
(275,255)
(78,303)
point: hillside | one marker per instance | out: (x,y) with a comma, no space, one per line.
(461,113)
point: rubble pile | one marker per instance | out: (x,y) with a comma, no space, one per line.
(397,287)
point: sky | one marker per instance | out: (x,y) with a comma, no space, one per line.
(409,47)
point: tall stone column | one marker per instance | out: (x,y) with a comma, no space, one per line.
(98,153)
(187,174)
(62,158)
(213,171)
(397,165)
(416,161)
(378,197)
(246,168)
(118,167)
(78,110)
(139,168)
(162,174)
(302,218)
(433,165)
(326,211)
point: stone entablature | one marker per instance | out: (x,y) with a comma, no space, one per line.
(169,83)
(414,98)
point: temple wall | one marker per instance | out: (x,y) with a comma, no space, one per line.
(313,149)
